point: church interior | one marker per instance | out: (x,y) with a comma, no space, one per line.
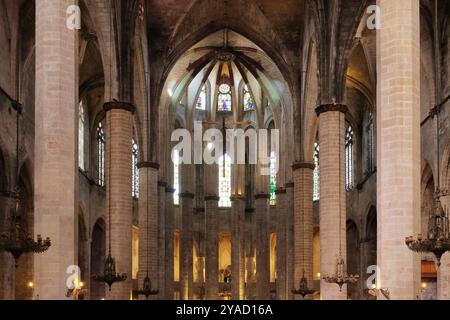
(97,203)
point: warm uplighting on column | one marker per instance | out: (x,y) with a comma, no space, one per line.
(30,284)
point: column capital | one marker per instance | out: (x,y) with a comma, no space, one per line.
(212,198)
(290,185)
(119,105)
(237,197)
(148,164)
(187,195)
(280,191)
(170,189)
(162,184)
(331,107)
(303,165)
(262,196)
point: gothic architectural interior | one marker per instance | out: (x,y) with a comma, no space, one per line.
(97,201)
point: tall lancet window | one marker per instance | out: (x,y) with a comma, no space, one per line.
(176,177)
(273,179)
(248,100)
(316,174)
(370,144)
(101,154)
(224,99)
(225,182)
(134,170)
(349,143)
(201,100)
(81,133)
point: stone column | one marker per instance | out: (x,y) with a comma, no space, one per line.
(249,246)
(169,273)
(186,245)
(119,133)
(398,148)
(262,247)
(443,273)
(162,266)
(290,240)
(332,204)
(211,248)
(281,227)
(55,150)
(303,223)
(237,250)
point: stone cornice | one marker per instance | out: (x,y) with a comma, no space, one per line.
(212,198)
(331,108)
(119,105)
(187,195)
(303,165)
(148,164)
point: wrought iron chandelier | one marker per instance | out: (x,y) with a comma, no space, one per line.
(437,240)
(340,277)
(147,290)
(17,240)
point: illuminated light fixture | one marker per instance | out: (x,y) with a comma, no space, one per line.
(17,241)
(438,238)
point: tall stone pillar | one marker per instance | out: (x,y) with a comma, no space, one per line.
(162,266)
(398,148)
(332,195)
(262,247)
(211,248)
(249,245)
(148,224)
(119,133)
(56,168)
(282,260)
(169,221)
(443,273)
(186,245)
(237,250)
(290,240)
(303,223)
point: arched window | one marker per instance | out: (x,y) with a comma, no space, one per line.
(225,182)
(349,142)
(176,177)
(201,100)
(101,154)
(248,100)
(81,134)
(316,174)
(224,100)
(273,179)
(134,170)
(370,144)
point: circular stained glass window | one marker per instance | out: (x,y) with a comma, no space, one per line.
(224,88)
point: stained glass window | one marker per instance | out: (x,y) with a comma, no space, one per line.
(248,100)
(224,100)
(101,154)
(273,179)
(201,100)
(370,144)
(81,133)
(176,177)
(135,170)
(349,141)
(225,182)
(316,174)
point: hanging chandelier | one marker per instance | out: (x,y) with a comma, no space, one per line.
(341,277)
(437,240)
(16,240)
(304,290)
(109,275)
